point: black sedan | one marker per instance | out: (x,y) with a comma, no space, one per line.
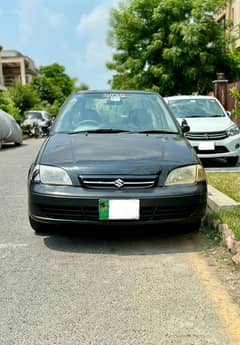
(116,157)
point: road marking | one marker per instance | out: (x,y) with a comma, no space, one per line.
(12,245)
(224,307)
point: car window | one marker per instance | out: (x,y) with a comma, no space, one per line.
(202,107)
(117,110)
(37,116)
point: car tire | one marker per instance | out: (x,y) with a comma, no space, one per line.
(36,132)
(18,143)
(232,161)
(194,226)
(39,228)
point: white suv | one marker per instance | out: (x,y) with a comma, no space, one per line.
(39,117)
(212,133)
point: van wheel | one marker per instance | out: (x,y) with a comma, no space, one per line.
(232,161)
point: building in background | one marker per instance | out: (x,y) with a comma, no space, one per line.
(15,66)
(1,72)
(231,14)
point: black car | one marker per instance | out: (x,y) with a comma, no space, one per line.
(116,157)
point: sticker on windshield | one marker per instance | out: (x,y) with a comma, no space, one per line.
(115,98)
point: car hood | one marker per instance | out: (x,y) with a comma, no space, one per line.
(207,124)
(117,153)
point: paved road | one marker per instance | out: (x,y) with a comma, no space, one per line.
(220,165)
(100,288)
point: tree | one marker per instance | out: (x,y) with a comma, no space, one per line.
(81,87)
(23,96)
(169,46)
(52,86)
(53,83)
(7,104)
(47,91)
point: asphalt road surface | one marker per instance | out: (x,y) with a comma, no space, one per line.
(220,165)
(90,287)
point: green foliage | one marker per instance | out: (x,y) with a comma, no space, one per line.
(52,86)
(232,218)
(45,92)
(7,104)
(24,96)
(52,109)
(60,81)
(169,46)
(81,87)
(235,93)
(226,182)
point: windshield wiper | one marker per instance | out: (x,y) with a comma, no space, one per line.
(155,131)
(101,130)
(217,115)
(199,115)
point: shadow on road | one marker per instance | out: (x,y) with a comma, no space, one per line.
(218,163)
(11,146)
(127,241)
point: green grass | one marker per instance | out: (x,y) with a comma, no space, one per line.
(228,183)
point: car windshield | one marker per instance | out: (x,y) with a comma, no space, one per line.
(192,107)
(34,115)
(111,112)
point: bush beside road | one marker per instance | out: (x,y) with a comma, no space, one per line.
(228,183)
(226,220)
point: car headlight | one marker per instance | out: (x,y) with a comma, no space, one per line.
(233,130)
(50,175)
(186,175)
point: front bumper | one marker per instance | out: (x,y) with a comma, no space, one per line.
(75,205)
(228,147)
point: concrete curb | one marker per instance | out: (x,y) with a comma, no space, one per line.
(217,201)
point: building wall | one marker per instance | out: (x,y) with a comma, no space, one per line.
(1,71)
(17,67)
(232,14)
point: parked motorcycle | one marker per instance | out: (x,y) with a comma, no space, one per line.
(36,123)
(35,128)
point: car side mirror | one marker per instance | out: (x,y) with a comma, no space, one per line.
(229,113)
(184,126)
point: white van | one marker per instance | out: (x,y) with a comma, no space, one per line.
(212,133)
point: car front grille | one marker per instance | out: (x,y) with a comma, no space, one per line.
(206,135)
(118,182)
(70,213)
(90,213)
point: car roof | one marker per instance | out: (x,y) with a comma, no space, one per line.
(116,91)
(189,97)
(35,111)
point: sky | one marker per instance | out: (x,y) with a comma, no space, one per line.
(72,33)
